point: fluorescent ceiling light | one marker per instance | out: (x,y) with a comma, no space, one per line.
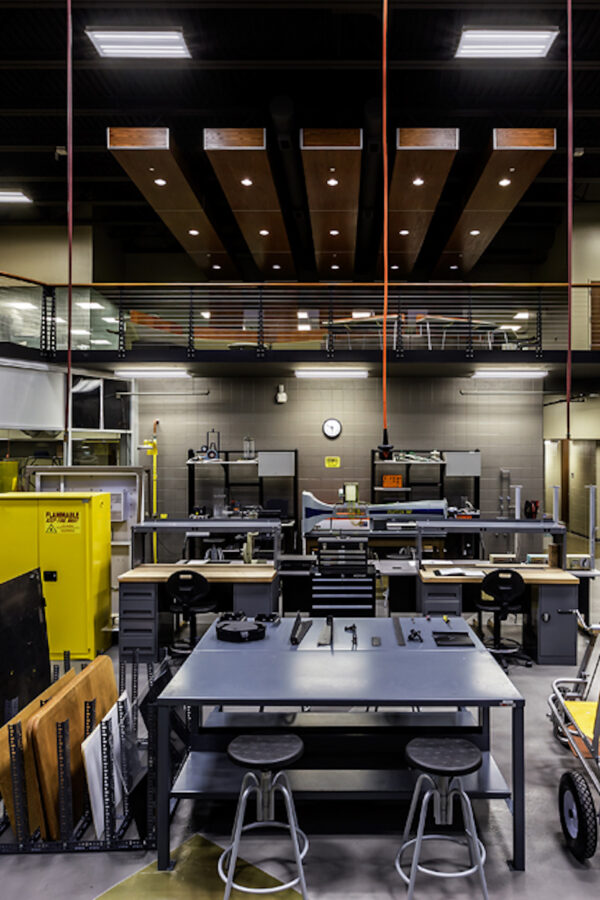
(334,266)
(216,267)
(521,315)
(151,373)
(22,304)
(14,197)
(475,232)
(418,181)
(404,232)
(100,342)
(510,373)
(138,43)
(110,319)
(394,267)
(509,327)
(301,314)
(361,314)
(276,266)
(89,305)
(247,182)
(79,331)
(331,373)
(304,327)
(194,232)
(263,232)
(334,232)
(504,182)
(205,315)
(332,182)
(160,182)
(493,43)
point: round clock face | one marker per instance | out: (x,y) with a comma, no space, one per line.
(332,428)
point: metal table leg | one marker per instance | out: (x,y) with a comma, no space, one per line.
(518,786)
(163,789)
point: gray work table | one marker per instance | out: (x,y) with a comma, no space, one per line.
(272,672)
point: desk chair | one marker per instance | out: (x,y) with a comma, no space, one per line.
(505,587)
(188,592)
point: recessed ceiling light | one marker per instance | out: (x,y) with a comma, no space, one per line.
(454,267)
(504,182)
(302,314)
(332,182)
(264,232)
(333,232)
(79,331)
(216,266)
(110,319)
(151,169)
(194,232)
(247,182)
(418,181)
(361,314)
(22,304)
(509,327)
(85,304)
(404,232)
(160,182)
(475,232)
(394,267)
(14,197)
(510,373)
(304,327)
(100,341)
(494,42)
(521,315)
(205,315)
(137,43)
(276,266)
(335,266)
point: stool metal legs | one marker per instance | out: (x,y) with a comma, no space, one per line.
(265,789)
(442,794)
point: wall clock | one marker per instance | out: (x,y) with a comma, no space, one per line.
(332,428)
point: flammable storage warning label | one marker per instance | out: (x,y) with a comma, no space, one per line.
(67,522)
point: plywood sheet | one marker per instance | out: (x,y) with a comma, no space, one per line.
(96,681)
(34,803)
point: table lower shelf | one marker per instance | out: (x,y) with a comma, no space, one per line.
(212,775)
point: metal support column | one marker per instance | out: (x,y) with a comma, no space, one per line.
(518,786)
(163,789)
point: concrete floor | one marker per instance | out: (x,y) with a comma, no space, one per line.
(359,865)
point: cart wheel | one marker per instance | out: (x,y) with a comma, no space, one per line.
(577,815)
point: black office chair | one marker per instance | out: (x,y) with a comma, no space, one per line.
(506,589)
(188,592)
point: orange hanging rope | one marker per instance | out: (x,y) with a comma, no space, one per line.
(385,446)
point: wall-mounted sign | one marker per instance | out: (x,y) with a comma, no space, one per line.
(333,462)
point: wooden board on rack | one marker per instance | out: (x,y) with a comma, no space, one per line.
(32,787)
(96,681)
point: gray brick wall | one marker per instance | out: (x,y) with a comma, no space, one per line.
(424,413)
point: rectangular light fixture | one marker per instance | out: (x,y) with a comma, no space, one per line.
(331,373)
(86,304)
(79,331)
(139,43)
(498,42)
(361,314)
(151,373)
(205,315)
(100,342)
(22,304)
(509,373)
(110,319)
(509,328)
(14,197)
(521,315)
(302,314)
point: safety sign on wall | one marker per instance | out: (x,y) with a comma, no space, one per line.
(63,522)
(333,462)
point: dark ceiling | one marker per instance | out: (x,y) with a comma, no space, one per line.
(318,62)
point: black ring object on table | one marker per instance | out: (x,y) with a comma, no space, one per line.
(240,632)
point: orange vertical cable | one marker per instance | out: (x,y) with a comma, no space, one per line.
(385,216)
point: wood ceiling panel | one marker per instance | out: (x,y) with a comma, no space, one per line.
(147,154)
(516,157)
(239,155)
(332,154)
(424,156)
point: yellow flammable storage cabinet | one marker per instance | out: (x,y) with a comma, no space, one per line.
(67,536)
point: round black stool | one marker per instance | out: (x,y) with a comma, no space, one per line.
(442,762)
(188,592)
(268,754)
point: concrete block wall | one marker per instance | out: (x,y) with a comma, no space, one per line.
(424,413)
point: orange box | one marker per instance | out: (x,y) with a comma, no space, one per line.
(391,481)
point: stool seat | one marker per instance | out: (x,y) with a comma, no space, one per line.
(444,756)
(265,752)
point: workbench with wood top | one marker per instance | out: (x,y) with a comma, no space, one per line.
(549,625)
(144,609)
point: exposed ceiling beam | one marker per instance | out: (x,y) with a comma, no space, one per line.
(434,65)
(424,157)
(417,113)
(332,161)
(239,155)
(516,157)
(370,6)
(147,154)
